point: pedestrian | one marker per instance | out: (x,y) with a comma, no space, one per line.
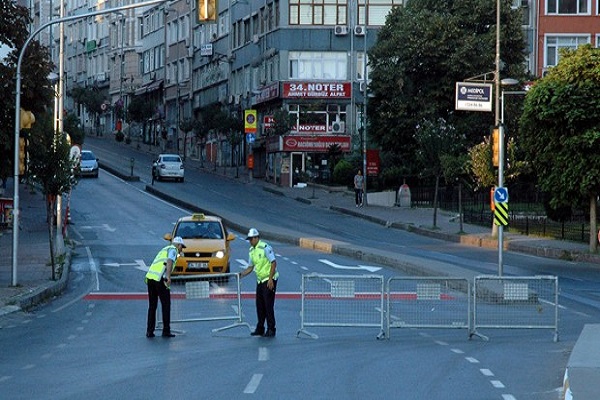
(158,280)
(359,182)
(261,259)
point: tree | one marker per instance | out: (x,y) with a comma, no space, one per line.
(282,124)
(434,140)
(36,91)
(186,126)
(425,47)
(51,167)
(560,130)
(91,99)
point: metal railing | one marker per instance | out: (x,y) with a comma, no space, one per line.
(215,297)
(342,301)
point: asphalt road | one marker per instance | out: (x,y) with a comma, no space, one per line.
(94,347)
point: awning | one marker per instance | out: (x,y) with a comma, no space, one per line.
(149,87)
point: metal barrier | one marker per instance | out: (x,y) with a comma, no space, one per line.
(515,303)
(196,298)
(428,302)
(342,301)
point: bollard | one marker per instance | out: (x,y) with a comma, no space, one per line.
(131,162)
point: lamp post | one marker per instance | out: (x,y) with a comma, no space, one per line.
(365,119)
(501,156)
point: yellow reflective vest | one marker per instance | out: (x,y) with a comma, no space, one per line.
(157,269)
(262,265)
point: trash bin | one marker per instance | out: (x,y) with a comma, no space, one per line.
(404,196)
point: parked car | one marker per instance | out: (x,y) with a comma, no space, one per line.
(207,242)
(168,166)
(88,164)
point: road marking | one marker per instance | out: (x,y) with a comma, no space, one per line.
(486,372)
(472,360)
(28,366)
(348,267)
(457,351)
(263,354)
(441,343)
(105,227)
(253,384)
(93,267)
(508,397)
(4,378)
(497,384)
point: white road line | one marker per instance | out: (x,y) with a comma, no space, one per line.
(497,384)
(508,397)
(472,360)
(253,384)
(28,366)
(5,378)
(440,343)
(263,354)
(486,372)
(457,351)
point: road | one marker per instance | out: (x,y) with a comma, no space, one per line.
(83,347)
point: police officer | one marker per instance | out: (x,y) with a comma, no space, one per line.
(261,259)
(158,280)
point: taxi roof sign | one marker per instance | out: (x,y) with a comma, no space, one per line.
(198,216)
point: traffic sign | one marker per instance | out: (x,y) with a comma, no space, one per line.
(501,214)
(501,195)
(250,137)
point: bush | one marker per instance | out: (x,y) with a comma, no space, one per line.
(343,173)
(119,136)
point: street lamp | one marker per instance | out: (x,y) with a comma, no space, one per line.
(501,152)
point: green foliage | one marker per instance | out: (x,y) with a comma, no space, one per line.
(139,109)
(343,173)
(481,164)
(435,139)
(36,93)
(71,126)
(560,128)
(50,165)
(426,47)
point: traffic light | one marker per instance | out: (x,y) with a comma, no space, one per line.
(207,11)
(496,147)
(22,160)
(27,119)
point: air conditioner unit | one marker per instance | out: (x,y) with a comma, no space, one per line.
(340,30)
(359,30)
(255,39)
(338,127)
(362,86)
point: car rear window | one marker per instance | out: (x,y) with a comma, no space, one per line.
(171,159)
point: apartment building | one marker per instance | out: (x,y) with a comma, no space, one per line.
(307,57)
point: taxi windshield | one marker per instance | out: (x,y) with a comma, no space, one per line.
(200,230)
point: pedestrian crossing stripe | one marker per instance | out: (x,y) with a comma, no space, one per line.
(501,214)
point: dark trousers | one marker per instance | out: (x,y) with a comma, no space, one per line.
(358,196)
(158,290)
(265,306)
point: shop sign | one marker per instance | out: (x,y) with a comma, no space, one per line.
(315,144)
(268,121)
(266,93)
(317,90)
(312,128)
(372,162)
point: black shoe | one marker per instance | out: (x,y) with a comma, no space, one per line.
(149,334)
(168,334)
(269,333)
(257,332)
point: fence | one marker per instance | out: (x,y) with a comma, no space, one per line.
(515,303)
(196,298)
(428,303)
(342,301)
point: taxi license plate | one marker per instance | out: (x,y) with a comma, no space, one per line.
(197,265)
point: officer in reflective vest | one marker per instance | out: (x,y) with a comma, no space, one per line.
(262,261)
(158,280)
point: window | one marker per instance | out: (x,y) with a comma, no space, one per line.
(567,7)
(318,12)
(554,43)
(318,65)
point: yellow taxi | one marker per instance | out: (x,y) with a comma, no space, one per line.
(207,242)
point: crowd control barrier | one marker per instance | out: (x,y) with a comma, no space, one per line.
(215,297)
(520,302)
(342,301)
(428,302)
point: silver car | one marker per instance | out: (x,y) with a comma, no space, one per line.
(168,166)
(88,164)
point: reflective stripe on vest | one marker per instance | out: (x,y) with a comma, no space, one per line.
(157,269)
(262,265)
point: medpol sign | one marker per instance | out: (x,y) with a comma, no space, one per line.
(473,96)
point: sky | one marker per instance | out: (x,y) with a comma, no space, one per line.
(4,50)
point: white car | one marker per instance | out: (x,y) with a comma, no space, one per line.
(168,166)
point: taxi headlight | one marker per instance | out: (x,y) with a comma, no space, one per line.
(220,254)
